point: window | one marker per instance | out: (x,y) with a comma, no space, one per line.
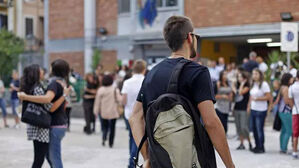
(29,26)
(171,2)
(216,47)
(3,21)
(159,3)
(166,3)
(123,6)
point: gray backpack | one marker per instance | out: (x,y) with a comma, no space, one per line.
(175,133)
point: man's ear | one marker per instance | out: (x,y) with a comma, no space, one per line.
(189,38)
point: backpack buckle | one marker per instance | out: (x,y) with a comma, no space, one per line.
(136,163)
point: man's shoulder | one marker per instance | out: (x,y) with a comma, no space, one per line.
(194,68)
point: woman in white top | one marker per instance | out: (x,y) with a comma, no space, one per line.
(258,107)
(294,95)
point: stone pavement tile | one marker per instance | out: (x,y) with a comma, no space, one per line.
(82,151)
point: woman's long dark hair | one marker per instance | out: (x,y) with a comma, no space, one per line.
(261,80)
(30,78)
(221,79)
(60,68)
(285,79)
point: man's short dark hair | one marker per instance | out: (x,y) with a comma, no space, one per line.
(176,30)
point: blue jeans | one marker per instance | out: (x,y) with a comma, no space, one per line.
(14,106)
(3,107)
(258,122)
(133,148)
(56,135)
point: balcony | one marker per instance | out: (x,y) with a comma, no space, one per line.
(6,3)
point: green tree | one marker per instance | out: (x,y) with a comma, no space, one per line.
(96,58)
(10,48)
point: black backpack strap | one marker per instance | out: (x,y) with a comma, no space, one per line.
(174,79)
(144,138)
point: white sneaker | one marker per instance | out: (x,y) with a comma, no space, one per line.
(17,126)
(295,155)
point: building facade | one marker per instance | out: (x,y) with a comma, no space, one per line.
(75,28)
(25,18)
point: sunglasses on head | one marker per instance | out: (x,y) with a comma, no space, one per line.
(195,35)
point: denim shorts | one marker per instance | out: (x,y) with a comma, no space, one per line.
(3,107)
(14,106)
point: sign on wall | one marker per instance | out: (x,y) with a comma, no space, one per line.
(289,37)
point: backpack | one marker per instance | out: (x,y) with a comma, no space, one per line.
(174,130)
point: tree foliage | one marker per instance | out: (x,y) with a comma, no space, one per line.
(96,58)
(10,48)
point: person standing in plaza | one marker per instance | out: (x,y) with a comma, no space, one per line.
(285,111)
(2,103)
(258,107)
(251,64)
(262,65)
(59,72)
(294,96)
(221,64)
(241,92)
(194,84)
(129,92)
(106,105)
(31,85)
(14,88)
(224,96)
(88,102)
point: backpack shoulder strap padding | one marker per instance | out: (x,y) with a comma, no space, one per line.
(174,79)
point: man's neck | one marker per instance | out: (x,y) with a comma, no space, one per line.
(179,54)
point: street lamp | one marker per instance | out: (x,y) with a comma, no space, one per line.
(286,16)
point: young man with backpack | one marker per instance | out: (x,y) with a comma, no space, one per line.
(174,121)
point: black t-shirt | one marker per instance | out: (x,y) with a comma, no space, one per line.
(14,94)
(194,82)
(242,105)
(59,116)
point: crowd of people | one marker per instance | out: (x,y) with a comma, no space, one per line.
(244,92)
(130,92)
(241,91)
(108,96)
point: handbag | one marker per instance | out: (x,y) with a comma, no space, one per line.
(277,122)
(120,107)
(35,114)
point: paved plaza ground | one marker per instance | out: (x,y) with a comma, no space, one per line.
(82,151)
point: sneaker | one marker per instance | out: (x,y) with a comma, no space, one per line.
(295,155)
(250,147)
(6,126)
(253,149)
(258,151)
(241,147)
(283,152)
(17,126)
